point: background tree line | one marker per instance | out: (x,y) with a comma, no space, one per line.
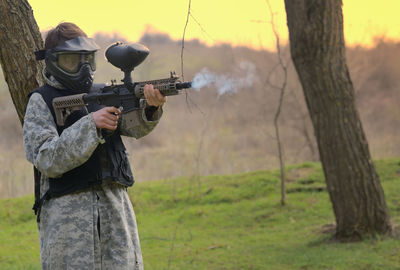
(240,136)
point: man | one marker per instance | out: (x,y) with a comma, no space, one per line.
(85,217)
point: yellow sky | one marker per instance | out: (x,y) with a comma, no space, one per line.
(236,22)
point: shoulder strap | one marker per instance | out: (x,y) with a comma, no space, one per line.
(36,175)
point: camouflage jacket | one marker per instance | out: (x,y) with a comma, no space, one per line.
(94,229)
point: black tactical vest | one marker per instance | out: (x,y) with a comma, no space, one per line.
(109,160)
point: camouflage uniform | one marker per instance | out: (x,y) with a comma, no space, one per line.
(93,229)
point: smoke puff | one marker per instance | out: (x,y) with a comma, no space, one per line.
(243,77)
(204,78)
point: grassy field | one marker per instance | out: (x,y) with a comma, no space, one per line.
(230,222)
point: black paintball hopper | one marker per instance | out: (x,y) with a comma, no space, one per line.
(126,56)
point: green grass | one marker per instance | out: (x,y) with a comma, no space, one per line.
(230,222)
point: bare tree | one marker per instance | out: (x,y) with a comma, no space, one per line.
(282,89)
(318,52)
(19,38)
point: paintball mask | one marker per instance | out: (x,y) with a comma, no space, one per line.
(72,63)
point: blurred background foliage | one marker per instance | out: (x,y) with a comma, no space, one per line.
(202,133)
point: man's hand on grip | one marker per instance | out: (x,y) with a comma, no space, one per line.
(106,118)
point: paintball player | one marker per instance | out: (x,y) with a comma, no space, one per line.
(85,217)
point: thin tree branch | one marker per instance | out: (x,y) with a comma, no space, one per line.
(183,46)
(279,109)
(183,38)
(201,27)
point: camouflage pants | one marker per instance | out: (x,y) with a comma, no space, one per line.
(94,229)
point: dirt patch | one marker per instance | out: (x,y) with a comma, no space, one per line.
(299,173)
(328,228)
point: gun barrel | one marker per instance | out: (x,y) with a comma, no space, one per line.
(183,85)
(166,88)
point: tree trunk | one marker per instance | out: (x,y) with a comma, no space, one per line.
(318,52)
(19,38)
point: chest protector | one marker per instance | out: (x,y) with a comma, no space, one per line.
(109,160)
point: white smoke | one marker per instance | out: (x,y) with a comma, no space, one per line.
(243,77)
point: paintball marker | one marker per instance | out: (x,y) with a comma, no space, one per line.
(126,95)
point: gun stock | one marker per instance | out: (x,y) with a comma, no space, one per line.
(64,106)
